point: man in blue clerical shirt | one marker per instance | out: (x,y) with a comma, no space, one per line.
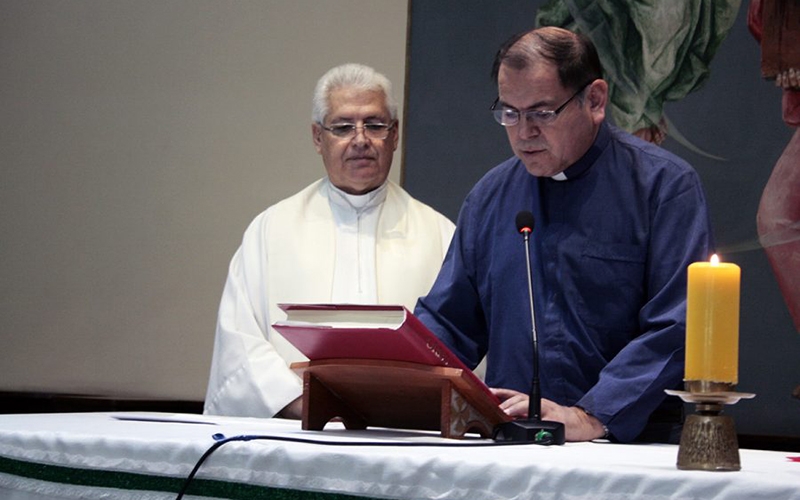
(617,222)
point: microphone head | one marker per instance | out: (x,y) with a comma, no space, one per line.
(525,222)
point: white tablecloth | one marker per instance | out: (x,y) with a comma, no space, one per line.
(99,455)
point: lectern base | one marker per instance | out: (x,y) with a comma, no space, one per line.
(395,394)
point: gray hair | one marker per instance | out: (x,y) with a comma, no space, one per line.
(350,75)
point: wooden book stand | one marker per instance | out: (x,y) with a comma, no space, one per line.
(395,394)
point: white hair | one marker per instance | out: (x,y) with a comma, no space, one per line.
(350,75)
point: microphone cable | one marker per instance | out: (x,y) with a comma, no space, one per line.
(222,440)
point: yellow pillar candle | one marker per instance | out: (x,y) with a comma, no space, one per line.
(712,322)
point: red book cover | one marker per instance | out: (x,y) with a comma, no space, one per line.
(377,332)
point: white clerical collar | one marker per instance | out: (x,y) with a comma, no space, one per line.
(589,158)
(357,202)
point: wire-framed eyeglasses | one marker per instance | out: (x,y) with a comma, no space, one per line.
(508,116)
(374,131)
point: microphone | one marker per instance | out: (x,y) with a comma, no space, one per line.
(525,223)
(533,429)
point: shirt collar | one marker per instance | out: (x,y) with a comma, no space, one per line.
(357,202)
(587,160)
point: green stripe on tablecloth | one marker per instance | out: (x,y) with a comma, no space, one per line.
(144,482)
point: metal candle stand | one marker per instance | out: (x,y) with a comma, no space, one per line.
(708,440)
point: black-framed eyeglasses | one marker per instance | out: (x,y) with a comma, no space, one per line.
(508,116)
(374,131)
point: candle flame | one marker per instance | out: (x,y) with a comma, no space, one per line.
(714,260)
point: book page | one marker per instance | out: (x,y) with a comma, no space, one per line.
(345,318)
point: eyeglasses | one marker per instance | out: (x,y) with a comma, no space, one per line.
(374,131)
(508,116)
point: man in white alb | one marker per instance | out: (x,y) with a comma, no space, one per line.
(351,237)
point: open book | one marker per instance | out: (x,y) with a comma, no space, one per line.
(375,332)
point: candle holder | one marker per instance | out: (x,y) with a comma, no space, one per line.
(708,440)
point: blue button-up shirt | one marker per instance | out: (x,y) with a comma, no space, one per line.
(609,256)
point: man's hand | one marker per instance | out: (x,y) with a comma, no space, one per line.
(578,425)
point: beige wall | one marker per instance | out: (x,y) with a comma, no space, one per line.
(137,140)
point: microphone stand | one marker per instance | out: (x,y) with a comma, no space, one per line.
(533,429)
